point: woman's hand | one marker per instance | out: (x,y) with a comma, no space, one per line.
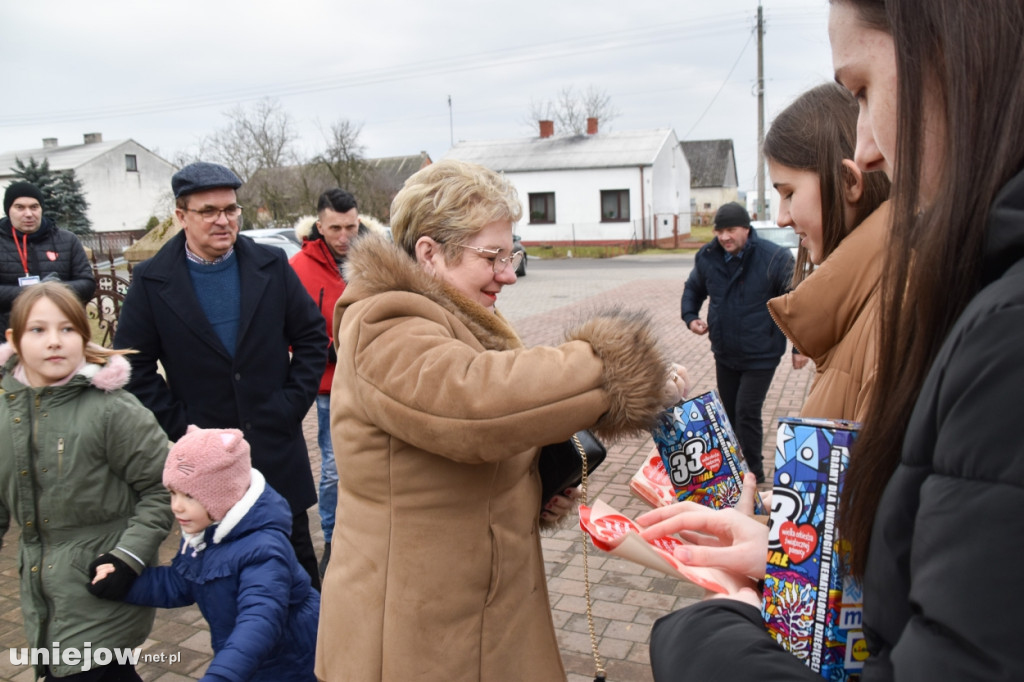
(560,505)
(728,539)
(677,386)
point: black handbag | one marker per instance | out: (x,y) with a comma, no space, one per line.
(561,464)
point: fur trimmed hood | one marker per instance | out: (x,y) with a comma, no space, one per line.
(305,227)
(375,266)
(107,377)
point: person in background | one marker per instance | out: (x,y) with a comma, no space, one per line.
(325,244)
(443,412)
(241,343)
(831,316)
(33,249)
(80,474)
(236,562)
(739,273)
(933,494)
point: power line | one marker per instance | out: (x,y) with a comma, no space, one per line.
(562,49)
(720,88)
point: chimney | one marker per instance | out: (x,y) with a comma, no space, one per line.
(547,129)
(592,125)
(49,142)
(93,138)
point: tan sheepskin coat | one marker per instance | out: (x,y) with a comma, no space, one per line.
(437,414)
(832,318)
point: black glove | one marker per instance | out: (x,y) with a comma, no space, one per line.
(116,585)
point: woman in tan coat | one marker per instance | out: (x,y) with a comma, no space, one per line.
(839,214)
(437,416)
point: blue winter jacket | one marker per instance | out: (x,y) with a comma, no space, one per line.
(243,574)
(743,334)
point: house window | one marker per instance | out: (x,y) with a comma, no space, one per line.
(542,207)
(131,164)
(614,205)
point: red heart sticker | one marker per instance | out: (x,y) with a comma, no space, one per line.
(799,542)
(712,461)
(52,255)
(655,471)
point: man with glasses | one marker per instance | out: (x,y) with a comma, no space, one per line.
(241,343)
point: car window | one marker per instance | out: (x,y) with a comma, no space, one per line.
(783,236)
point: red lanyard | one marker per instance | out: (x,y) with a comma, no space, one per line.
(22,248)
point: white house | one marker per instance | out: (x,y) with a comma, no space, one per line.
(598,188)
(123,182)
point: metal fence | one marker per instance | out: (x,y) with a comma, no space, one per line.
(110,245)
(112,280)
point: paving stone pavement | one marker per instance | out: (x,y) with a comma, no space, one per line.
(627,598)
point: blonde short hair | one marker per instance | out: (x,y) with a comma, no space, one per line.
(450,201)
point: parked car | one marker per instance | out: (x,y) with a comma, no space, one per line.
(289,246)
(783,236)
(286,232)
(517,245)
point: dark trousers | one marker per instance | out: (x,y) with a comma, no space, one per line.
(743,393)
(302,542)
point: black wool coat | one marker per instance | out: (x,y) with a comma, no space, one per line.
(263,389)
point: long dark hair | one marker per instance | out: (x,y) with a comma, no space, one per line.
(816,133)
(965,57)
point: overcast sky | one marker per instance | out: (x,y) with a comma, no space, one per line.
(164,73)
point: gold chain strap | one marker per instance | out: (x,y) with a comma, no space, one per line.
(599,674)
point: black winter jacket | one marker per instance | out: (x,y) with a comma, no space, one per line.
(743,335)
(68,262)
(942,588)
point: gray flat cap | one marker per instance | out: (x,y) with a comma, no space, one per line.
(200,176)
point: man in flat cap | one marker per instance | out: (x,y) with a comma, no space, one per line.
(220,313)
(739,273)
(33,249)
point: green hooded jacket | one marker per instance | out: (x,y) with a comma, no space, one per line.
(81,473)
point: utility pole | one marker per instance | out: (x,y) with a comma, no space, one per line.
(760,114)
(451,123)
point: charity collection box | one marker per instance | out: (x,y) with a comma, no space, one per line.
(811,605)
(700,453)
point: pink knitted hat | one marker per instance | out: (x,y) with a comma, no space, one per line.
(211,466)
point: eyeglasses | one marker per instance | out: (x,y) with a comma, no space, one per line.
(498,264)
(211,215)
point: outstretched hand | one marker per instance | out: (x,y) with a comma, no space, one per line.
(728,539)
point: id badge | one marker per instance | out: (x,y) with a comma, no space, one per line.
(28,280)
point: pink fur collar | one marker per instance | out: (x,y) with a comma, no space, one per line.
(108,377)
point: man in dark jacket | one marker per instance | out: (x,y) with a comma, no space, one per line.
(324,250)
(221,313)
(739,273)
(33,249)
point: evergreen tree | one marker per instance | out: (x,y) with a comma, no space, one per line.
(63,199)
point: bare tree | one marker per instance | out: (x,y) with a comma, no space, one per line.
(571,109)
(343,156)
(257,144)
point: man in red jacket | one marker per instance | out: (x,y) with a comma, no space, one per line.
(324,249)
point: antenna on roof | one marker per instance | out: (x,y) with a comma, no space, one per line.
(451,125)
